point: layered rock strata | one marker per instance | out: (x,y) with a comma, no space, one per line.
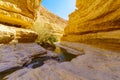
(48,21)
(6,35)
(20,13)
(12,34)
(14,14)
(94,20)
(95,64)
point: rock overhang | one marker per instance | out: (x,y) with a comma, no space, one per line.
(95,22)
(20,13)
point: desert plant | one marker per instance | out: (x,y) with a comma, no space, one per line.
(45,35)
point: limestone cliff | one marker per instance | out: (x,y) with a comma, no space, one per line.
(18,12)
(94,21)
(49,21)
(23,14)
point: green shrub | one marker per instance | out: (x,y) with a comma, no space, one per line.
(44,34)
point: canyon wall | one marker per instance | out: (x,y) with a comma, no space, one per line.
(16,15)
(47,23)
(29,14)
(20,13)
(94,21)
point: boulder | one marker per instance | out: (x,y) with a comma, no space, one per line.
(16,55)
(94,20)
(95,64)
(12,12)
(13,34)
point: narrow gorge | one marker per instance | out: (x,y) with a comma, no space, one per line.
(36,44)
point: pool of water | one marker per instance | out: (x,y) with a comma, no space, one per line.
(63,56)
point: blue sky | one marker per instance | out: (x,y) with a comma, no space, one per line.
(61,8)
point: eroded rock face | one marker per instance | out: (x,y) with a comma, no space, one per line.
(6,35)
(95,64)
(16,55)
(50,22)
(94,20)
(25,35)
(13,34)
(21,13)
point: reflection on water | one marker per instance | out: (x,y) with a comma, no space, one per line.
(63,55)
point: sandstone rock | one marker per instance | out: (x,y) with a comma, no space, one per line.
(95,64)
(94,20)
(24,35)
(70,49)
(52,21)
(12,12)
(16,55)
(47,21)
(12,34)
(6,35)
(51,54)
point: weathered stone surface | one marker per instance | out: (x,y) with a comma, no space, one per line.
(51,54)
(70,49)
(12,34)
(25,35)
(6,35)
(94,20)
(49,22)
(95,64)
(16,55)
(17,12)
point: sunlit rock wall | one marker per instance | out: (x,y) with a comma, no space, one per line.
(14,14)
(94,20)
(48,23)
(18,12)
